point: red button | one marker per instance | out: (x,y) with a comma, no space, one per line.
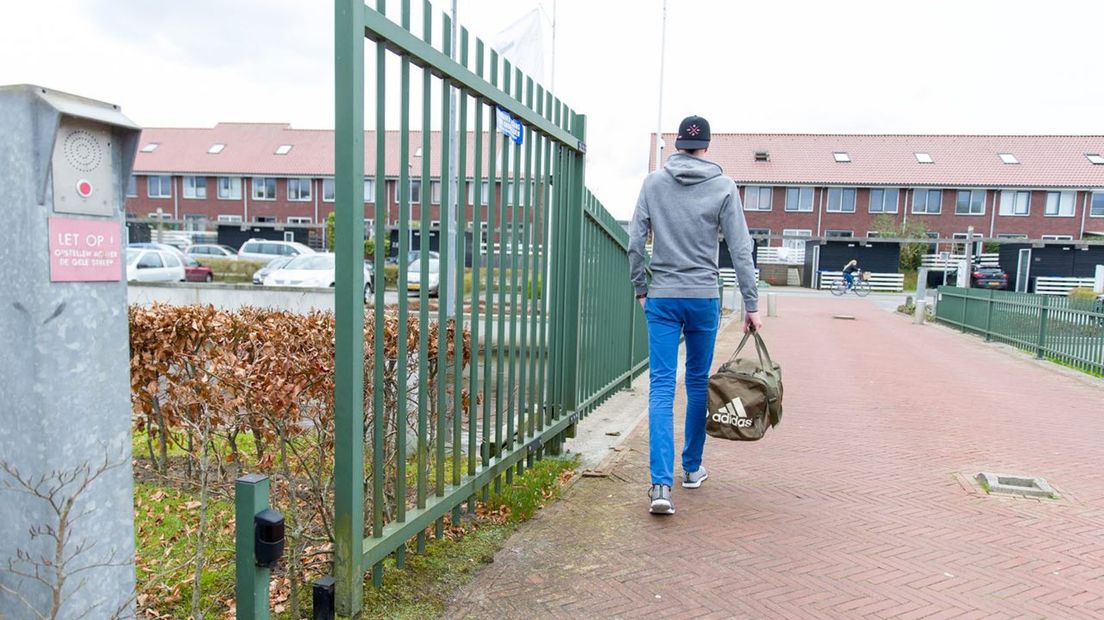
(84,188)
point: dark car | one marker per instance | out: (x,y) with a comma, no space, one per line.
(989,277)
(194,272)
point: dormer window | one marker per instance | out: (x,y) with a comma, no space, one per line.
(762,155)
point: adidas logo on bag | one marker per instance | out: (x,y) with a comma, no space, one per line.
(734,414)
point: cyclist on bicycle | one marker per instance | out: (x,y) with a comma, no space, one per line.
(849,273)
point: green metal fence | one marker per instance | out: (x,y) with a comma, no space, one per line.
(553,323)
(1061,329)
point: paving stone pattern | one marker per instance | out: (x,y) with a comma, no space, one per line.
(860,505)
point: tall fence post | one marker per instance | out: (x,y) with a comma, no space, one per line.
(1044,312)
(349,306)
(965,304)
(989,316)
(251,590)
(573,268)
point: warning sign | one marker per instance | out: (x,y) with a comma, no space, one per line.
(85,251)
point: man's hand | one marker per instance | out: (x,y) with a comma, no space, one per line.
(752,322)
(641,300)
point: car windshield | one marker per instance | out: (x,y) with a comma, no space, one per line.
(276,264)
(416,266)
(132,256)
(312,262)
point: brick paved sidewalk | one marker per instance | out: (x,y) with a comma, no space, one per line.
(853,507)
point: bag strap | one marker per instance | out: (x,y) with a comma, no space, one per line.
(760,348)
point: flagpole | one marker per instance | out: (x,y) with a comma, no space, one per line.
(659,113)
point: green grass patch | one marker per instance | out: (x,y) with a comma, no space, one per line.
(1093,372)
(165,524)
(910,280)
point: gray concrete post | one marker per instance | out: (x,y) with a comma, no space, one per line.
(920,314)
(64,361)
(772,304)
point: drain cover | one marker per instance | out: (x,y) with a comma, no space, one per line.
(1010,484)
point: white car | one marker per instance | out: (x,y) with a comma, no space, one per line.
(264,250)
(313,271)
(211,250)
(414,277)
(144,265)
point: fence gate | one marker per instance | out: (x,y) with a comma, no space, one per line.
(436,403)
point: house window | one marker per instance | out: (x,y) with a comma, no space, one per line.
(970,202)
(132,187)
(839,233)
(230,219)
(283,149)
(759,232)
(216,149)
(873,234)
(369,190)
(328,190)
(229,188)
(415,191)
(299,190)
(757,198)
(841,157)
(151,147)
(1011,236)
(1008,158)
(841,200)
(1097,208)
(799,199)
(797,243)
(195,187)
(264,219)
(484,193)
(927,201)
(883,200)
(159,186)
(299,220)
(369,228)
(1057,237)
(435,192)
(1096,158)
(264,188)
(195,222)
(1060,204)
(1015,203)
(924,158)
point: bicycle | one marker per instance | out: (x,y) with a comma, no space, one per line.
(860,288)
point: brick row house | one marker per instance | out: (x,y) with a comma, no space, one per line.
(1007,187)
(237,173)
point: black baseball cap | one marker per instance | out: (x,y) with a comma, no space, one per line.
(693,134)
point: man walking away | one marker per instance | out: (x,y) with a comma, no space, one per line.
(684,206)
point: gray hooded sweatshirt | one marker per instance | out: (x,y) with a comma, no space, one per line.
(687,206)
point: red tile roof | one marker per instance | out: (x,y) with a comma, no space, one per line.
(251,150)
(966,160)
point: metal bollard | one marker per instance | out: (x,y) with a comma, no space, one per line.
(772,304)
(921,312)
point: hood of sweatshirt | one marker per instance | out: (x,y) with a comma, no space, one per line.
(689,170)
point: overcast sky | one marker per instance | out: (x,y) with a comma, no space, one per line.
(948,66)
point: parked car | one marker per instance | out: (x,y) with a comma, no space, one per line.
(414,277)
(164,247)
(410,257)
(989,277)
(262,273)
(313,270)
(147,265)
(211,250)
(265,250)
(194,272)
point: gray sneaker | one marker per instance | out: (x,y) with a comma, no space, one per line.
(693,479)
(660,494)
